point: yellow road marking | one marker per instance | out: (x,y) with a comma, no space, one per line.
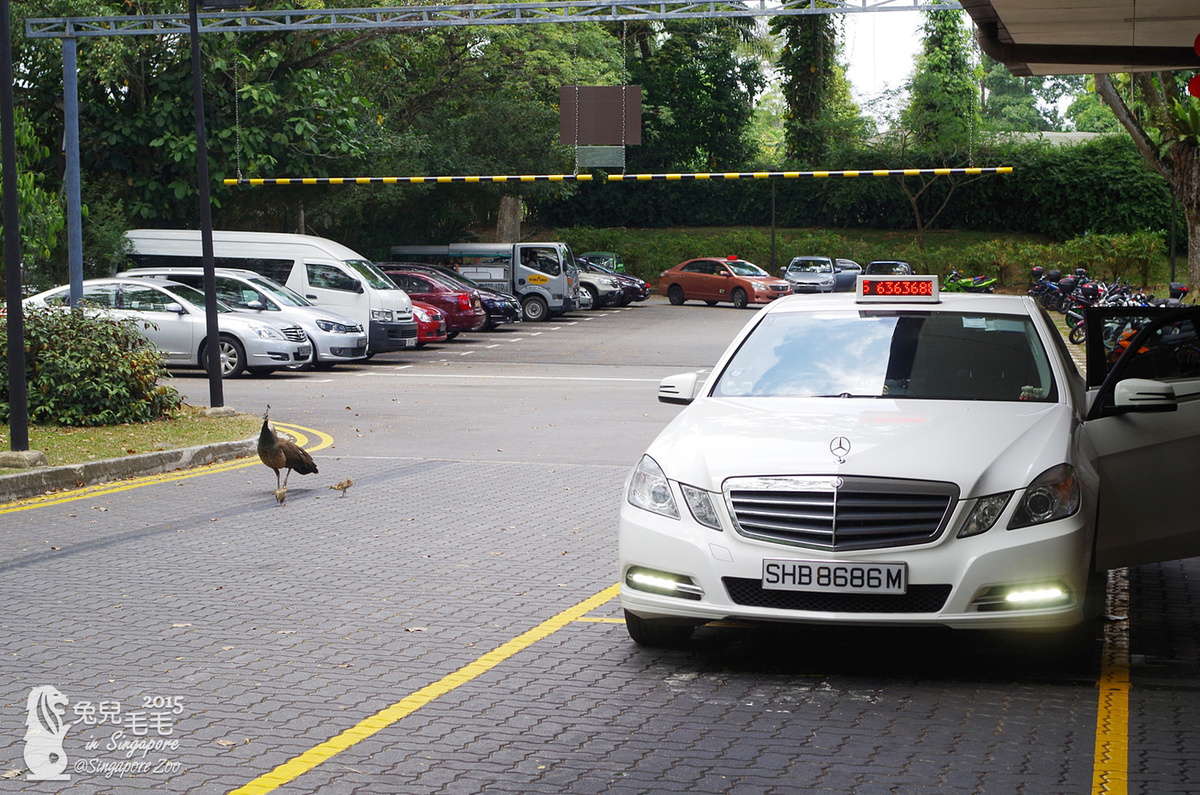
(299,433)
(291,770)
(1110,768)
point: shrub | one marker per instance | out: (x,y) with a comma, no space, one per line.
(84,370)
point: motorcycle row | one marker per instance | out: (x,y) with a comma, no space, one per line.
(1072,295)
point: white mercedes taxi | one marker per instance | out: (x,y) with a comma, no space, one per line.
(897,456)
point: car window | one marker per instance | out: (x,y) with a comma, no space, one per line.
(541,259)
(1171,352)
(100,296)
(329,277)
(811,266)
(144,299)
(697,267)
(909,355)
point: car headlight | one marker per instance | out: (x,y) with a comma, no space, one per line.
(758,285)
(384,315)
(1052,495)
(420,314)
(985,513)
(331,326)
(700,503)
(650,491)
(266,332)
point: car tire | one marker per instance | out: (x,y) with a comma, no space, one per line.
(260,371)
(739,299)
(233,356)
(660,633)
(534,309)
(675,295)
(451,335)
(595,294)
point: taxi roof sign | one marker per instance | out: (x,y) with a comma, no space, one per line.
(898,289)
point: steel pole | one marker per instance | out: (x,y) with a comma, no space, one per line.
(216,395)
(18,397)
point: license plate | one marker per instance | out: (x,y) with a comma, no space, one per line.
(304,352)
(410,342)
(827,576)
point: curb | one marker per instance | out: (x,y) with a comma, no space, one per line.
(66,478)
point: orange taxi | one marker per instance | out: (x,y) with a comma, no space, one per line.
(714,279)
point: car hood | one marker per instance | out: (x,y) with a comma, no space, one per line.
(984,447)
(807,276)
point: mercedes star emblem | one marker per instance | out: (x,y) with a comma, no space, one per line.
(840,447)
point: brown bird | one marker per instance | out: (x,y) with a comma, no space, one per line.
(345,484)
(282,454)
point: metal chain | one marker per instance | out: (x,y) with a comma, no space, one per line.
(237,115)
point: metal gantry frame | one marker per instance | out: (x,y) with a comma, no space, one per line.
(71,29)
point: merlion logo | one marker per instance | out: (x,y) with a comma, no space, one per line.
(44,733)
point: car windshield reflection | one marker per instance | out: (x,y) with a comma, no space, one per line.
(941,356)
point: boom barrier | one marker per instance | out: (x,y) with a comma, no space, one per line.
(709,175)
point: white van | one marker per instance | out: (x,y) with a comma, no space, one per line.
(326,273)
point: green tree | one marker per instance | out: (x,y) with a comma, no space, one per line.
(1164,123)
(698,96)
(40,213)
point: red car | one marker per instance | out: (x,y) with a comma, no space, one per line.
(462,305)
(431,323)
(712,279)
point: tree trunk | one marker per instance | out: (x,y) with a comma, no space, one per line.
(508,220)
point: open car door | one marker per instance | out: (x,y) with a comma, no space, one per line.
(1143,373)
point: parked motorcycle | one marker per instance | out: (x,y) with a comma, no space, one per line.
(955,282)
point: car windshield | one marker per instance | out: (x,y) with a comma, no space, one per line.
(193,296)
(883,354)
(743,268)
(283,294)
(371,275)
(811,266)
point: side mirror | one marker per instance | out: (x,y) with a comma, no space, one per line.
(678,389)
(255,305)
(357,286)
(175,307)
(1141,394)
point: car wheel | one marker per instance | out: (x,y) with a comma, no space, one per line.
(535,309)
(711,303)
(595,294)
(739,298)
(675,295)
(451,335)
(232,360)
(658,632)
(260,371)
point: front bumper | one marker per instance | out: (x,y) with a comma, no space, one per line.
(392,336)
(951,581)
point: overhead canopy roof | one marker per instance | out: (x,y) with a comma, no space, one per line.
(1049,37)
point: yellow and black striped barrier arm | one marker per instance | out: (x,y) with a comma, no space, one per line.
(709,175)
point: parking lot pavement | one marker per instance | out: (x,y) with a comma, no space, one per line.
(447,626)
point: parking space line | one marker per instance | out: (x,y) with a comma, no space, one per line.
(519,377)
(298,433)
(1110,768)
(291,770)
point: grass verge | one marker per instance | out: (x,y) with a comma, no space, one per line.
(189,428)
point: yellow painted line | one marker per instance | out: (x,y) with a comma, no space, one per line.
(1110,768)
(600,620)
(300,434)
(291,770)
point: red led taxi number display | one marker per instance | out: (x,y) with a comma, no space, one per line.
(915,289)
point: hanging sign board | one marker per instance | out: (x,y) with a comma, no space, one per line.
(592,115)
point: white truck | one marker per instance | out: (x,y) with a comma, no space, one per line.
(543,276)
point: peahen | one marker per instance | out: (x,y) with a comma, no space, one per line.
(282,454)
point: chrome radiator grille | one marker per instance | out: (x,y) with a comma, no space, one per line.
(294,333)
(840,513)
